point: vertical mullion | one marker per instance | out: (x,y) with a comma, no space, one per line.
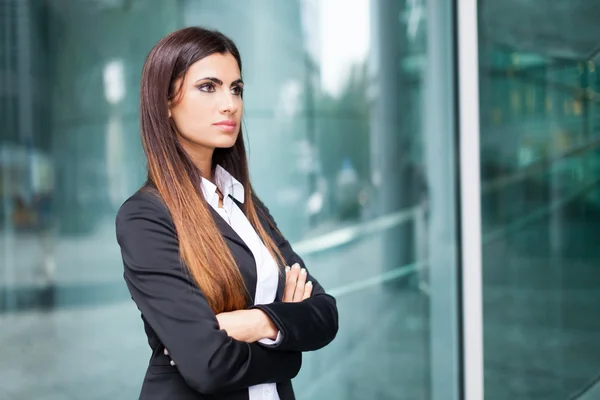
(470,198)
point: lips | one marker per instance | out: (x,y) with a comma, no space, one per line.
(226,124)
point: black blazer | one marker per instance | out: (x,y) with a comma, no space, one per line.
(176,315)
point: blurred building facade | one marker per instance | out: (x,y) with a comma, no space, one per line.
(355,126)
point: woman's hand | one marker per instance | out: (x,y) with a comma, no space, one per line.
(296,287)
(247,325)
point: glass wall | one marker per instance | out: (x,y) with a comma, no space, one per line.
(349,126)
(540,164)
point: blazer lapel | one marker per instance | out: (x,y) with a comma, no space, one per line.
(241,253)
(228,231)
(281,284)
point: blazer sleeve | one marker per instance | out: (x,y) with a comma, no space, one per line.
(310,324)
(176,309)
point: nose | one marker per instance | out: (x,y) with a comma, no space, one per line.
(229,104)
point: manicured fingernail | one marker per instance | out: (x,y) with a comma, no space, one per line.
(287,269)
(166,352)
(172,363)
(309,283)
(303,272)
(296,266)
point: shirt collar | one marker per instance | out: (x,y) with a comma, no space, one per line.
(226,183)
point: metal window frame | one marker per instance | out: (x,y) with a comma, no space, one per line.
(470,198)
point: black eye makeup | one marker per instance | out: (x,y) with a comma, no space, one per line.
(237,90)
(237,86)
(208,87)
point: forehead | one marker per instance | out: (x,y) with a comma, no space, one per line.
(221,66)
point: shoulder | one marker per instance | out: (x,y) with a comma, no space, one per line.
(145,200)
(145,204)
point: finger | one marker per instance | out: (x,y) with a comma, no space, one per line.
(307,290)
(300,283)
(290,285)
(288,271)
(293,272)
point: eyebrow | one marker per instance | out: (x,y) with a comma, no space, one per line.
(220,82)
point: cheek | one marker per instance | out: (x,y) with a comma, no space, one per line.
(192,113)
(197,109)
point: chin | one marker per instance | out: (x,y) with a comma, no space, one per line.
(226,142)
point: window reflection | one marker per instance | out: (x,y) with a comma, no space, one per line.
(334,121)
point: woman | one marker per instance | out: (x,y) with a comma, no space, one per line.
(204,261)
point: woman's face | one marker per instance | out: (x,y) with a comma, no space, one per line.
(207,110)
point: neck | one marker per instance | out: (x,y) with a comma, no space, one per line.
(201,157)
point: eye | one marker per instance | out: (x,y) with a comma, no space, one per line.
(238,90)
(207,87)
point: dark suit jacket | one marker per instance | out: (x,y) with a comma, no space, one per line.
(176,315)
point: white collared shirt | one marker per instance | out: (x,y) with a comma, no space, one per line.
(267,274)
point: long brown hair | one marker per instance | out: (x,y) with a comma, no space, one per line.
(178,181)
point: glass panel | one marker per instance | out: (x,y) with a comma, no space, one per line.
(540,197)
(342,150)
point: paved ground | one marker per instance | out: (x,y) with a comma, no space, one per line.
(541,330)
